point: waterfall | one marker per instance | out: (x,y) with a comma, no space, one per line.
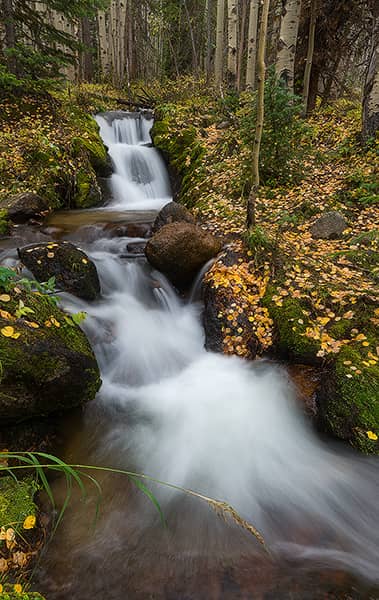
(219,425)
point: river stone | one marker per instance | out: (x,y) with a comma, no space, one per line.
(179,250)
(217,302)
(172,213)
(23,207)
(48,364)
(71,267)
(329,226)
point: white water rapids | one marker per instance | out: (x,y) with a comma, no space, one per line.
(221,426)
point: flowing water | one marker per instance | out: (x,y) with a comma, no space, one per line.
(221,426)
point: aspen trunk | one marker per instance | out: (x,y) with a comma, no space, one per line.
(370,107)
(193,43)
(310,52)
(86,59)
(241,46)
(10,33)
(232,41)
(285,62)
(219,57)
(251,216)
(208,55)
(103,43)
(252,44)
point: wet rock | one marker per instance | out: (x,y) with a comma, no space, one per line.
(217,302)
(179,250)
(329,226)
(47,362)
(223,125)
(172,213)
(138,230)
(136,248)
(23,207)
(71,267)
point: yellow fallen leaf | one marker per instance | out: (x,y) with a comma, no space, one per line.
(15,336)
(5,298)
(50,255)
(372,436)
(84,261)
(17,588)
(365,344)
(30,522)
(7,331)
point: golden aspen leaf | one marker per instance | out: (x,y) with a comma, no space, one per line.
(371,435)
(360,337)
(17,588)
(5,298)
(30,522)
(7,331)
(50,255)
(365,344)
(15,336)
(84,261)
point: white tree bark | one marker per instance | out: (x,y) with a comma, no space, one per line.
(310,52)
(232,40)
(252,44)
(103,43)
(219,57)
(289,27)
(371,90)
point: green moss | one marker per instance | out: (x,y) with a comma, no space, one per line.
(16,500)
(290,325)
(4,224)
(353,404)
(88,193)
(9,595)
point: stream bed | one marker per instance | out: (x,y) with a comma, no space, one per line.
(228,429)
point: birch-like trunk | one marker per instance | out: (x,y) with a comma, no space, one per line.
(10,33)
(232,40)
(208,52)
(219,57)
(241,45)
(252,44)
(251,216)
(103,43)
(310,52)
(370,107)
(285,61)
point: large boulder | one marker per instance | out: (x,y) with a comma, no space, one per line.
(329,226)
(71,267)
(179,250)
(47,362)
(25,206)
(172,213)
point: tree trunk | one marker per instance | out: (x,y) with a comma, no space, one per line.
(285,62)
(309,60)
(86,59)
(370,106)
(103,43)
(251,216)
(208,56)
(10,33)
(232,41)
(241,47)
(252,44)
(193,43)
(219,57)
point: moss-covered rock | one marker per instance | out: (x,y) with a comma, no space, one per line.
(88,192)
(89,143)
(47,364)
(4,222)
(74,272)
(348,398)
(22,207)
(290,324)
(16,501)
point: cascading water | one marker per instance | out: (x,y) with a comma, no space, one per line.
(140,180)
(218,425)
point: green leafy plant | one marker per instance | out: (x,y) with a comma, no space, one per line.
(285,138)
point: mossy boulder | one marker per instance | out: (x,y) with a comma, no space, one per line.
(74,272)
(90,144)
(179,250)
(47,364)
(348,400)
(16,501)
(4,222)
(172,213)
(88,192)
(22,207)
(290,324)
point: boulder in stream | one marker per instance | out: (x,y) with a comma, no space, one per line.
(25,206)
(47,362)
(179,250)
(74,272)
(172,213)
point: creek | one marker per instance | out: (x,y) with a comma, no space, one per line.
(226,428)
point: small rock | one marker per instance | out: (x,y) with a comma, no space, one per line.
(329,226)
(179,250)
(223,125)
(26,206)
(74,272)
(172,213)
(136,248)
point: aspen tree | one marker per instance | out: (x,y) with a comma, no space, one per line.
(285,62)
(309,60)
(219,57)
(252,44)
(250,217)
(370,112)
(232,41)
